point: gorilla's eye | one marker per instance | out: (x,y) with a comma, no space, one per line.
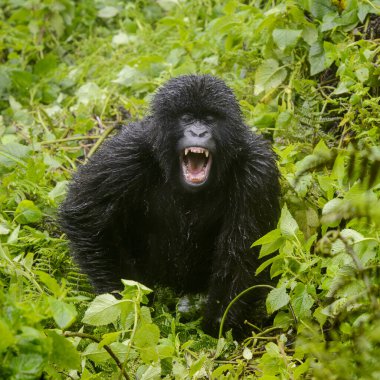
(187,118)
(210,118)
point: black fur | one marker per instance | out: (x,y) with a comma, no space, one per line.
(127,214)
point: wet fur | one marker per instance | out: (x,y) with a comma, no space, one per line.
(127,215)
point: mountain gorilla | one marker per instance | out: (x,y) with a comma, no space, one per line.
(177,199)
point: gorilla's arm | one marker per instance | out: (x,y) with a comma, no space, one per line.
(252,211)
(90,216)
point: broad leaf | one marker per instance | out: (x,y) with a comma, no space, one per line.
(277,298)
(64,353)
(27,212)
(64,314)
(269,75)
(288,224)
(104,309)
(286,37)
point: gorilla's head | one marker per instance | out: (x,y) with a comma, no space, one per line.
(199,121)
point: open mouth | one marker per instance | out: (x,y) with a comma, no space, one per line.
(196,164)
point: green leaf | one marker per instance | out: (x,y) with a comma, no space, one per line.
(269,75)
(272,349)
(27,212)
(146,339)
(147,335)
(167,5)
(320,8)
(219,373)
(104,309)
(108,12)
(64,314)
(63,353)
(196,366)
(128,76)
(353,237)
(166,348)
(333,212)
(90,93)
(13,237)
(283,320)
(286,37)
(247,353)
(268,238)
(180,371)
(59,191)
(21,79)
(265,264)
(362,74)
(267,249)
(12,154)
(277,298)
(4,230)
(331,53)
(7,338)
(45,65)
(329,22)
(302,301)
(316,58)
(122,38)
(28,365)
(287,223)
(310,34)
(364,9)
(109,338)
(5,82)
(95,353)
(100,355)
(50,282)
(153,372)
(131,285)
(321,154)
(336,307)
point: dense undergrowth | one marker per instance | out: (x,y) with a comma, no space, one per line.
(307,74)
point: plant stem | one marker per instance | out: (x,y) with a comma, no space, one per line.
(74,138)
(106,347)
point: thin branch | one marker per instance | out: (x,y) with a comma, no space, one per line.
(234,300)
(102,137)
(106,347)
(74,138)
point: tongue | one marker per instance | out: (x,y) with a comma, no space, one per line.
(195,164)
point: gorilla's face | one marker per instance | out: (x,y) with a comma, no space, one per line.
(199,131)
(196,148)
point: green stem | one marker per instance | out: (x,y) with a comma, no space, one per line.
(106,347)
(100,140)
(74,138)
(234,300)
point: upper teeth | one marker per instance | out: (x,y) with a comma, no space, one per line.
(196,150)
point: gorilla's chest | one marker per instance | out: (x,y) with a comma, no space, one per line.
(180,244)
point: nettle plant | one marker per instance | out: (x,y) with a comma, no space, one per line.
(327,297)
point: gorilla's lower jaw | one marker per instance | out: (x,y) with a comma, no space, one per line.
(196,164)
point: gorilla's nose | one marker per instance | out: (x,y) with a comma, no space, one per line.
(198,131)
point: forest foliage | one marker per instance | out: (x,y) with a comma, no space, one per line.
(307,75)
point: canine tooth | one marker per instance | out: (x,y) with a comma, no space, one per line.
(206,153)
(186,151)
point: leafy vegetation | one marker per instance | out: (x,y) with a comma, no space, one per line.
(308,76)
